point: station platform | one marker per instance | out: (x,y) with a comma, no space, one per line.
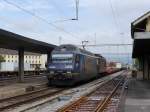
(138,96)
(13,88)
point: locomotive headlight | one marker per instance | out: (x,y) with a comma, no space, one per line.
(51,72)
(69,72)
(68,66)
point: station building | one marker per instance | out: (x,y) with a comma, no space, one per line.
(140,32)
(32,61)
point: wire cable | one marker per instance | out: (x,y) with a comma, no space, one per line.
(40,18)
(113,13)
(103,45)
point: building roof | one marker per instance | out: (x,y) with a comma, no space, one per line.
(139,25)
(141,44)
(141,18)
(14,41)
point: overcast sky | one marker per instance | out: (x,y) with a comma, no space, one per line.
(95,16)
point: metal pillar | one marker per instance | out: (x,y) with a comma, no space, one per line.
(146,68)
(48,58)
(21,65)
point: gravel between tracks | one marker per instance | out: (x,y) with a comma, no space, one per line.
(55,102)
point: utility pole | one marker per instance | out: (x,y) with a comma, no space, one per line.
(122,37)
(77,10)
(76,13)
(60,39)
(95,38)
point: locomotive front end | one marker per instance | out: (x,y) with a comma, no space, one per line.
(62,68)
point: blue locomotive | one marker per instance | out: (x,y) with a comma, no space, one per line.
(70,65)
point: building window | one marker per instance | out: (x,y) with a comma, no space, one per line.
(8,61)
(12,61)
(8,56)
(12,56)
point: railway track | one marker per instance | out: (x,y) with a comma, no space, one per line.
(105,98)
(13,75)
(28,98)
(15,78)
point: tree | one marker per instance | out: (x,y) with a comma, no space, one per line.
(2,59)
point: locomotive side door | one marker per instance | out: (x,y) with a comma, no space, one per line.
(77,63)
(80,62)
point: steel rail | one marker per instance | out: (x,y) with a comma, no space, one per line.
(103,105)
(85,104)
(27,98)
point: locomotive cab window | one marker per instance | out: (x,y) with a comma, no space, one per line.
(77,58)
(62,58)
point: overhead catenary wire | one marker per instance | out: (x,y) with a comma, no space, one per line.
(105,45)
(62,20)
(115,53)
(116,20)
(113,13)
(40,18)
(60,11)
(57,7)
(77,13)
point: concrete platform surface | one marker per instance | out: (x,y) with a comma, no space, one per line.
(138,96)
(14,89)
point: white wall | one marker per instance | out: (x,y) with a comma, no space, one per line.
(12,66)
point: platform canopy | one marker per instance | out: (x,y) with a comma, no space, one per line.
(21,44)
(14,41)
